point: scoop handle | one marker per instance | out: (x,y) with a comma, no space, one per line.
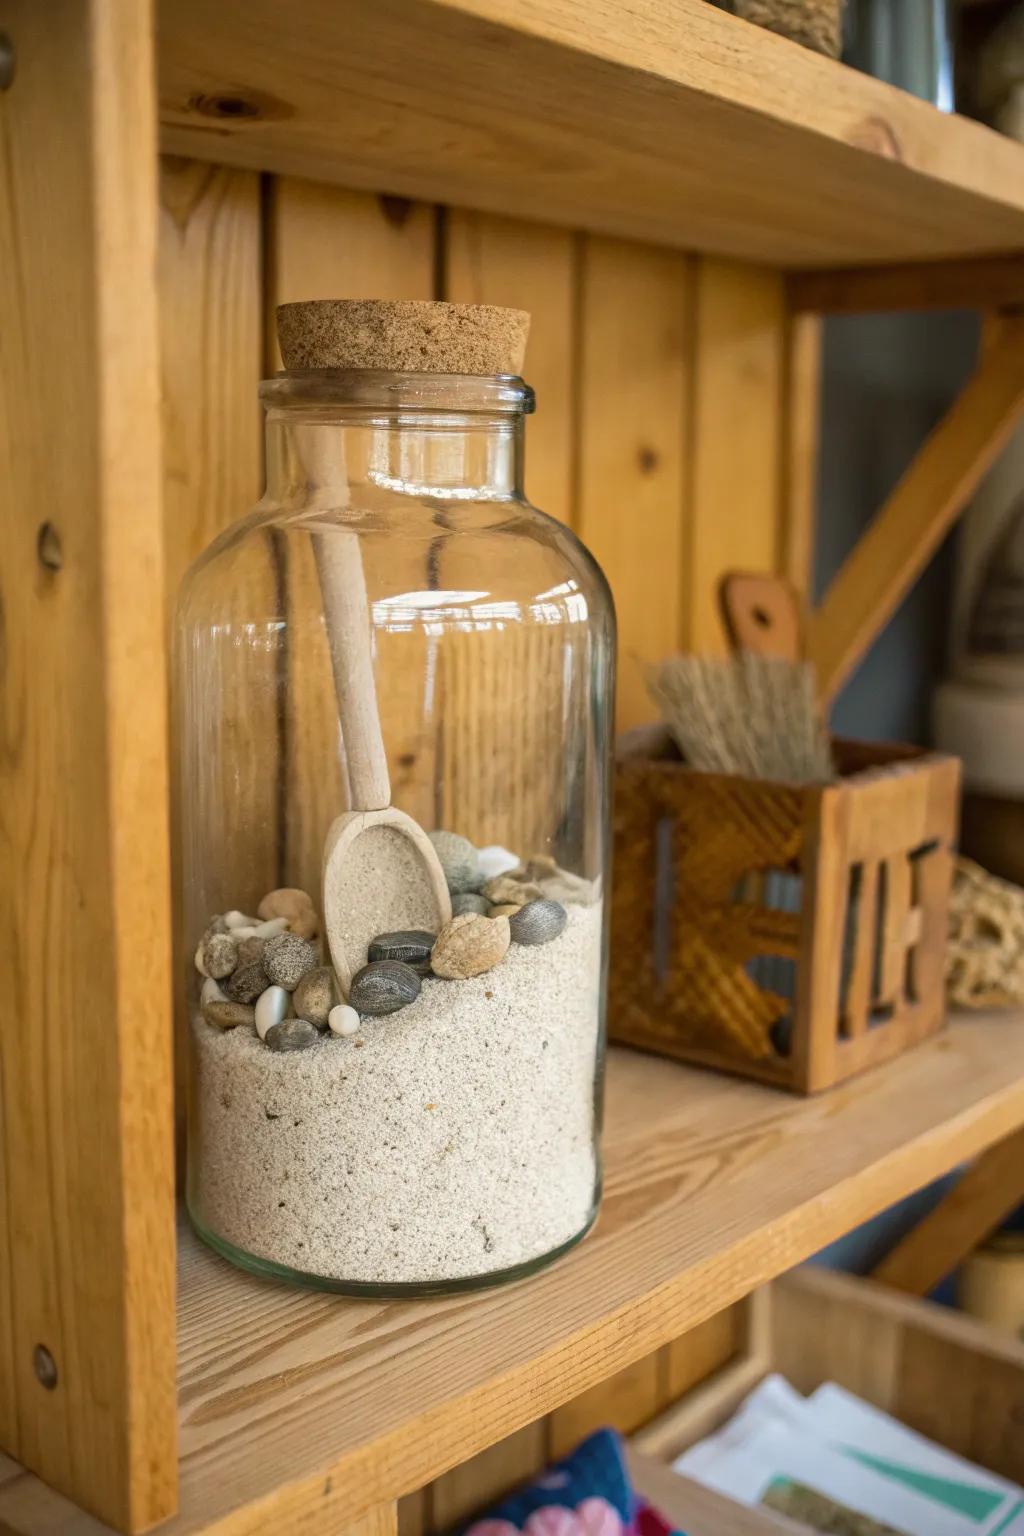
(339,563)
(762,613)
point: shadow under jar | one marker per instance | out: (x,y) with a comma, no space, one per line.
(395,601)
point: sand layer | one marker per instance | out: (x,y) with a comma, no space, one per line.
(452,1139)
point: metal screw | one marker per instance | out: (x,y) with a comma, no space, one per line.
(6,62)
(46,1367)
(49,548)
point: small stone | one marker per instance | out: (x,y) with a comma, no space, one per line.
(216,925)
(271,1007)
(220,955)
(505,911)
(383,986)
(247,982)
(313,998)
(506,890)
(211,993)
(458,860)
(343,1020)
(198,959)
(228,1015)
(238,920)
(496,860)
(469,901)
(541,867)
(295,906)
(538,922)
(268,930)
(470,945)
(410,945)
(287,958)
(250,949)
(291,1035)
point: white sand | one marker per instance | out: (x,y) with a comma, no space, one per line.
(454,1138)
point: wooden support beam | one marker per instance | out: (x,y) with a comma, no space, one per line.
(981,282)
(921,509)
(988,1192)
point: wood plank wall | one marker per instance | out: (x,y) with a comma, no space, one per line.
(674,433)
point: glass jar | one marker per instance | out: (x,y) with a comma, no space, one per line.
(395,642)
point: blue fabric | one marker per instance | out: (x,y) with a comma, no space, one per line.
(595,1469)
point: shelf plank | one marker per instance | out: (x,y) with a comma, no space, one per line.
(294,1404)
(667,120)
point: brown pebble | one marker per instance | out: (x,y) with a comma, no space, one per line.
(220,955)
(506,890)
(505,911)
(470,945)
(314,998)
(228,1015)
(295,905)
(247,982)
(250,950)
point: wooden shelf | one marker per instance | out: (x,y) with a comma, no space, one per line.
(664,120)
(295,1405)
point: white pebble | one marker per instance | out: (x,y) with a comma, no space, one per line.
(343,1020)
(200,967)
(271,1007)
(496,861)
(211,993)
(238,920)
(267,930)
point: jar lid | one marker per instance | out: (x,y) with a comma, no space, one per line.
(402,336)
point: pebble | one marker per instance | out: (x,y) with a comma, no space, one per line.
(383,986)
(198,958)
(538,922)
(314,996)
(247,982)
(505,911)
(270,929)
(410,945)
(469,901)
(291,1035)
(343,1020)
(287,958)
(228,1015)
(250,949)
(506,890)
(496,860)
(220,955)
(211,993)
(458,860)
(271,1008)
(295,906)
(470,945)
(216,925)
(238,920)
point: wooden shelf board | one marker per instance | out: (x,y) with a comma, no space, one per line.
(296,1406)
(661,120)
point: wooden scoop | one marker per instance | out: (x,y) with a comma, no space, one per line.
(381,871)
(763,614)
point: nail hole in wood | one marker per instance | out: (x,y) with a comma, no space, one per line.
(45,1367)
(6,62)
(49,547)
(647,459)
(762,617)
(235,108)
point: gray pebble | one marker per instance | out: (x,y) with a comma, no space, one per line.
(220,955)
(470,901)
(287,958)
(314,998)
(217,925)
(538,922)
(410,945)
(247,982)
(383,986)
(459,860)
(291,1035)
(228,1015)
(250,950)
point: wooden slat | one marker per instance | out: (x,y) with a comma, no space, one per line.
(88,1253)
(633,413)
(624,1401)
(893,958)
(861,982)
(468,1488)
(913,520)
(673,122)
(987,1193)
(986,282)
(698,1510)
(801,408)
(528,266)
(698,1354)
(736,437)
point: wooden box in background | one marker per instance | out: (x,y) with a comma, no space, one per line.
(791,933)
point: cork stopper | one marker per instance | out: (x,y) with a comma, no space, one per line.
(402,336)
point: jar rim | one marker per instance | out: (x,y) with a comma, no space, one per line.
(503,394)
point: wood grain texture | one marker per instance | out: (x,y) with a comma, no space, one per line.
(984,1196)
(987,282)
(801,413)
(556,106)
(88,1246)
(698,1510)
(736,437)
(625,1401)
(528,266)
(926,501)
(633,414)
(468,1488)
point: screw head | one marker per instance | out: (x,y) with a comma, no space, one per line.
(45,1367)
(6,62)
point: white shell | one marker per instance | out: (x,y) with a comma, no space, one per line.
(267,930)
(343,1020)
(211,993)
(496,861)
(238,920)
(200,967)
(271,1007)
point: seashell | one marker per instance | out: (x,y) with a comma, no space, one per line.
(410,945)
(538,922)
(469,901)
(459,861)
(506,890)
(383,986)
(271,1008)
(343,1020)
(470,945)
(220,955)
(287,958)
(228,1015)
(291,1035)
(314,996)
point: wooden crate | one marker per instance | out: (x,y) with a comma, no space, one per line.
(790,933)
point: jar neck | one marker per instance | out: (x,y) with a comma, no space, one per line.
(332,437)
